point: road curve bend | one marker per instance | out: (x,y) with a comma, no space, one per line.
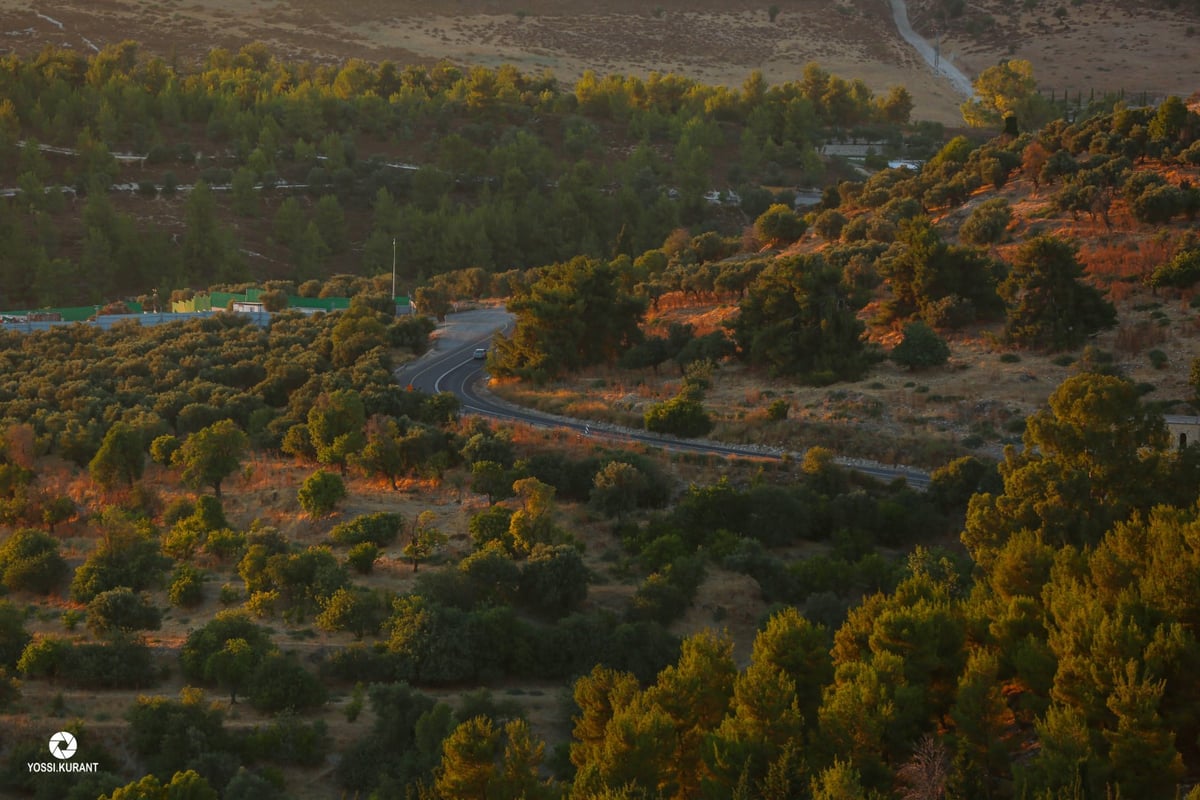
(450,366)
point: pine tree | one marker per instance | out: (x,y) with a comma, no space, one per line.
(468,767)
(801,650)
(1141,749)
(599,695)
(980,717)
(695,693)
(764,720)
(1048,304)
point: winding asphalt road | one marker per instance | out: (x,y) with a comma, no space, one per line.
(450,366)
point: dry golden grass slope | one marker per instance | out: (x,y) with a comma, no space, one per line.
(1104,46)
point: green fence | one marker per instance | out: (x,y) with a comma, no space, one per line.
(320,303)
(68,313)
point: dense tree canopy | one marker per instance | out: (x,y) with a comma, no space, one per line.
(500,191)
(799,318)
(574,315)
(925,273)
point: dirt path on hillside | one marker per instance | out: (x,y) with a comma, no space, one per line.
(932,57)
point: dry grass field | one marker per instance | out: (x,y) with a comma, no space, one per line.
(1075,47)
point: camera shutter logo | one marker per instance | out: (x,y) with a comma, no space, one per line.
(63,745)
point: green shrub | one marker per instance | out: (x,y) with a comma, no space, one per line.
(289,740)
(554,580)
(230,595)
(1157,204)
(127,557)
(778,410)
(163,448)
(921,347)
(987,222)
(779,225)
(829,224)
(355,706)
(280,683)
(177,510)
(380,529)
(658,600)
(1181,272)
(952,311)
(856,229)
(195,657)
(1016,425)
(263,604)
(121,663)
(359,611)
(321,493)
(362,557)
(1192,154)
(187,587)
(30,561)
(225,544)
(122,610)
(492,525)
(679,416)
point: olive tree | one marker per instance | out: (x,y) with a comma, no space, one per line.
(211,455)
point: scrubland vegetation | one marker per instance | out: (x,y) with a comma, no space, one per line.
(296,578)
